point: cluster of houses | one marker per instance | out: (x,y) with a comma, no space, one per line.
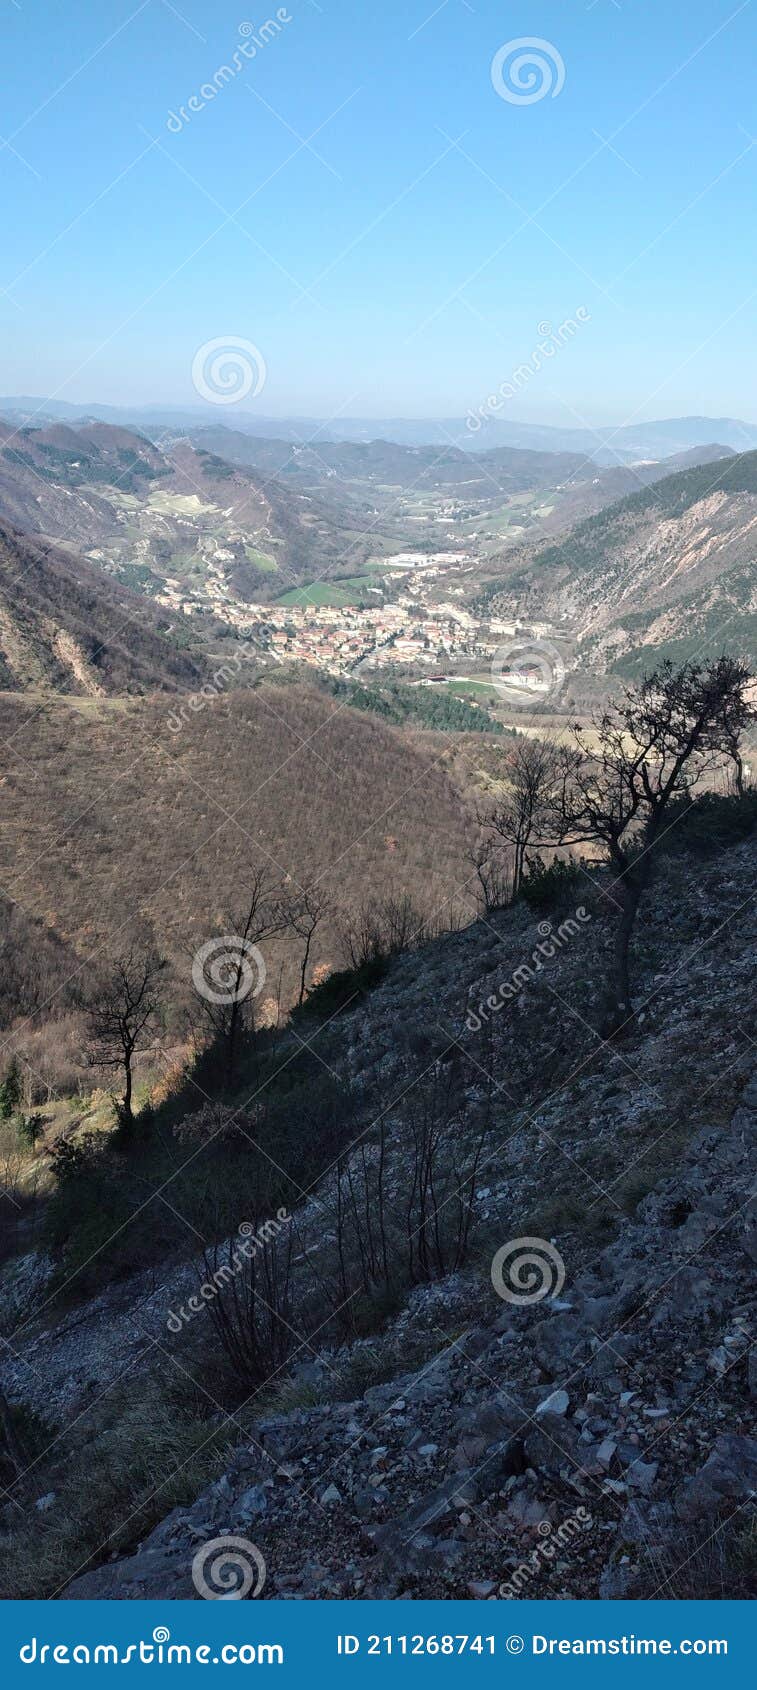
(340,638)
(405,632)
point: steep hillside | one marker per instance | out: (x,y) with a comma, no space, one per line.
(565,1413)
(583,498)
(164,809)
(54,481)
(64,627)
(662,573)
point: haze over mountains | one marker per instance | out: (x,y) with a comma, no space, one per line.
(605,445)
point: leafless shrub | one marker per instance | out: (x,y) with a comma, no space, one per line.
(252,1306)
(214,1121)
(382,928)
(446,1151)
(492,871)
(406,1206)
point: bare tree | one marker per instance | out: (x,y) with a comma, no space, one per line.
(228,975)
(655,746)
(305,916)
(491,871)
(123,1017)
(518,819)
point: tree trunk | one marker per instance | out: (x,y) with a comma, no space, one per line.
(619,1009)
(127,1117)
(12,1443)
(304,969)
(231,1045)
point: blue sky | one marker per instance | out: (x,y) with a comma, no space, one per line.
(363,206)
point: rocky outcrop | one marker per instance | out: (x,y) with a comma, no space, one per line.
(557,1449)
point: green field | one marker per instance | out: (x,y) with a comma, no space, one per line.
(341,594)
(261,560)
(471,686)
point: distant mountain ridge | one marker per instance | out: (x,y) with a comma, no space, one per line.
(606,445)
(143,512)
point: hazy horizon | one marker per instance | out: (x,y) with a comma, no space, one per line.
(515,419)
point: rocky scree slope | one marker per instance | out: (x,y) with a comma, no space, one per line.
(596,1441)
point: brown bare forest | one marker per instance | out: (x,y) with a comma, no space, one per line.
(114,816)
